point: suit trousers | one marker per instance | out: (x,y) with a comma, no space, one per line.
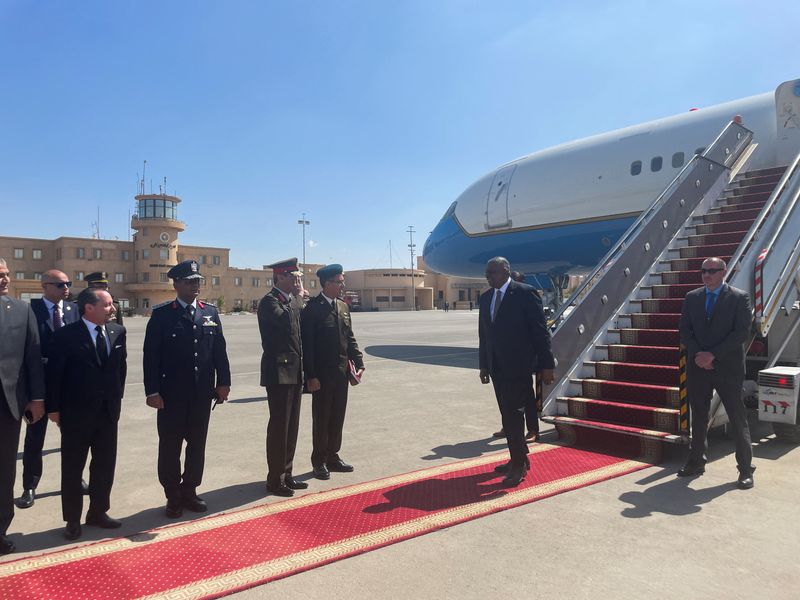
(284,422)
(187,421)
(513,397)
(328,407)
(9,441)
(700,388)
(97,433)
(32,455)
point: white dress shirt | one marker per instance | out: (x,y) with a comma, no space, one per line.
(50,306)
(502,289)
(93,332)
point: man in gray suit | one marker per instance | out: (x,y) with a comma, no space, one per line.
(714,328)
(21,391)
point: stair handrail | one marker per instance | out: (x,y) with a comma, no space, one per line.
(714,153)
(628,262)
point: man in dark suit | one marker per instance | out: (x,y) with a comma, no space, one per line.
(329,345)
(99,281)
(514,343)
(282,374)
(185,368)
(714,327)
(53,312)
(85,383)
(21,391)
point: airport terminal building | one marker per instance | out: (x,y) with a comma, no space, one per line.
(137,269)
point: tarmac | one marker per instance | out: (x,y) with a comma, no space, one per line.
(421,404)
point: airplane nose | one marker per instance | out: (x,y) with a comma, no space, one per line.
(441,251)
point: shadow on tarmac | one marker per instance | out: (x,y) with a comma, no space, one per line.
(440,356)
(673,497)
(440,494)
(471,449)
(135,526)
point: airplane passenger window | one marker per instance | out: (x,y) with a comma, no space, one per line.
(655,164)
(677,159)
(699,150)
(636,167)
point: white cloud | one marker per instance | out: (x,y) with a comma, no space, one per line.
(312,244)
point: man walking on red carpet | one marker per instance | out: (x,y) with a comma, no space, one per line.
(714,327)
(514,343)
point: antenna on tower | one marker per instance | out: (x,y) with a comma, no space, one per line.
(165,186)
(144,168)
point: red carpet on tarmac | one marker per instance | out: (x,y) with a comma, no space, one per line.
(218,555)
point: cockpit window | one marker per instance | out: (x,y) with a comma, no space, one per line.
(636,167)
(449,212)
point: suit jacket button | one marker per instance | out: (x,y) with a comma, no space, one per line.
(194,326)
(195,353)
(173,335)
(195,341)
(196,369)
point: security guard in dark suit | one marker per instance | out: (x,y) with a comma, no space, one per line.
(282,374)
(99,281)
(329,344)
(185,367)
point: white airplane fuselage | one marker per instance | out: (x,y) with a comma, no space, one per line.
(562,208)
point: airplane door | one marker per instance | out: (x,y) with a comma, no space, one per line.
(497,200)
(787,107)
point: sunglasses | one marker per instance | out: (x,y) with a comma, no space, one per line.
(61,284)
(710,271)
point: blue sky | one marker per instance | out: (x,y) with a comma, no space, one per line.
(368,116)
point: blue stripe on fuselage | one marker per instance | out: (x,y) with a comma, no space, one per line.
(555,249)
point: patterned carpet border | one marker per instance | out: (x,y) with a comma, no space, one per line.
(121,562)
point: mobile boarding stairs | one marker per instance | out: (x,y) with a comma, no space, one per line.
(620,374)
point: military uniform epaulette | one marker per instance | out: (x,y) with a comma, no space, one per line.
(163,304)
(204,304)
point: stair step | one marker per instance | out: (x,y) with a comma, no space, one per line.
(730,215)
(708,251)
(656,355)
(726,208)
(621,429)
(635,372)
(726,227)
(672,290)
(708,239)
(647,394)
(653,320)
(689,264)
(619,413)
(647,336)
(673,277)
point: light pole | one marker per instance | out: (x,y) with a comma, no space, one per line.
(411,246)
(303,222)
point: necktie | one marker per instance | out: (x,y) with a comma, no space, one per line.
(710,300)
(57,322)
(497,298)
(190,311)
(100,343)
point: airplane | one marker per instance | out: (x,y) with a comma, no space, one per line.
(561,209)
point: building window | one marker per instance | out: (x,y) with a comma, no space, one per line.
(677,159)
(37,254)
(441,295)
(398,298)
(145,302)
(636,167)
(201,259)
(216,259)
(215,281)
(237,281)
(462,295)
(80,253)
(145,277)
(656,163)
(256,282)
(19,253)
(19,275)
(382,298)
(79,275)
(97,253)
(145,254)
(162,277)
(126,255)
(119,277)
(164,253)
(37,276)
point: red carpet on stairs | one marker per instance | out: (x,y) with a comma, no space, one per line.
(221,554)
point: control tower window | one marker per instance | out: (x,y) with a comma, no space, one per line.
(636,167)
(677,159)
(656,163)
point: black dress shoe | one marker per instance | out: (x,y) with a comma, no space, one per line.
(173,510)
(73,530)
(745,481)
(102,520)
(322,472)
(27,499)
(293,484)
(6,545)
(84,487)
(504,468)
(339,466)
(499,434)
(691,469)
(515,476)
(280,489)
(194,503)
(532,436)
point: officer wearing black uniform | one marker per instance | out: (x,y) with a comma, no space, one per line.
(99,281)
(329,345)
(185,368)
(282,373)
